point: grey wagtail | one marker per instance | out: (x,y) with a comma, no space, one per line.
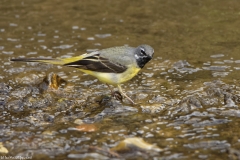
(114,65)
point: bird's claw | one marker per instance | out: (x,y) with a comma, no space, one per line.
(117,95)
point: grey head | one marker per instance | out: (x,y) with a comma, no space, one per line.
(143,54)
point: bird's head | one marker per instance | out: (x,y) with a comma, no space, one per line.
(143,54)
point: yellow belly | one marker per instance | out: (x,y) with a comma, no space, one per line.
(114,78)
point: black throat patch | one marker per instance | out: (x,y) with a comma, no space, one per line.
(141,61)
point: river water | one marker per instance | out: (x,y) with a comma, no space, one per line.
(187,95)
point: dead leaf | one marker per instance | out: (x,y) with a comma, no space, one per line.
(87,127)
(135,143)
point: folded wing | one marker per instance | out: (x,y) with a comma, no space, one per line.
(98,64)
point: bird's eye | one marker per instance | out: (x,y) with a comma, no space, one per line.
(143,51)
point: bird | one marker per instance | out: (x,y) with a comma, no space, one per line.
(113,66)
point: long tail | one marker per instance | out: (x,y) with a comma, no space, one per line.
(50,60)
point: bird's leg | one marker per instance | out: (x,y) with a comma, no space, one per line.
(110,88)
(120,90)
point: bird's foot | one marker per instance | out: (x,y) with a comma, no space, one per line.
(117,95)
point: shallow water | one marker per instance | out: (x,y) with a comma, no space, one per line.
(188,95)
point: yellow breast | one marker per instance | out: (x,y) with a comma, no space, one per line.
(114,78)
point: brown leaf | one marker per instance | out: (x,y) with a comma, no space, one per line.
(87,127)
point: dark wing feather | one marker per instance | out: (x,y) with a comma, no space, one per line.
(98,64)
